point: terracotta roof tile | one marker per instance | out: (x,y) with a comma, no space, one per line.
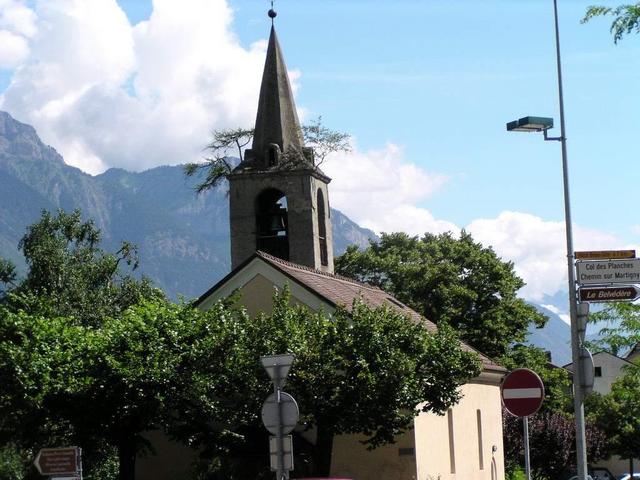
(343,291)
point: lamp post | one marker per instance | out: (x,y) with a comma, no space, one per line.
(542,124)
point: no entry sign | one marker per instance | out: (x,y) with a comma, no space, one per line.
(522,392)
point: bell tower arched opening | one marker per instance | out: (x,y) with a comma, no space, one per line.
(272,223)
(322,229)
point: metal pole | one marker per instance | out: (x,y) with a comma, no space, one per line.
(576,343)
(527,460)
(280,475)
(80,463)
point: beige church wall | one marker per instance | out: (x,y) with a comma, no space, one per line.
(425,454)
(472,457)
(351,459)
(257,296)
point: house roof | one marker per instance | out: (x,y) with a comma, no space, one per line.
(337,291)
(569,366)
(635,351)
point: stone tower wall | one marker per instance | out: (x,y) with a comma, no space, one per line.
(300,188)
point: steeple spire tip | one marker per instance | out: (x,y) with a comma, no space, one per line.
(272,13)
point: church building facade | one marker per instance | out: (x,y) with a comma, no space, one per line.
(281,236)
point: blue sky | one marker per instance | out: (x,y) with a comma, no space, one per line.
(424,87)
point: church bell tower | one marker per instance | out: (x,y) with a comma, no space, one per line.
(279,200)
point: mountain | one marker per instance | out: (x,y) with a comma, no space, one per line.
(555,337)
(182,237)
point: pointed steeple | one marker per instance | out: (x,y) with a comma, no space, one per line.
(278,197)
(277,120)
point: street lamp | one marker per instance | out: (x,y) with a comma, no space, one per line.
(542,124)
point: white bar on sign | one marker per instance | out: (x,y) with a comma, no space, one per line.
(522,393)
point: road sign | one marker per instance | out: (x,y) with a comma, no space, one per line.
(522,392)
(601,272)
(287,447)
(277,367)
(609,294)
(58,461)
(605,255)
(271,411)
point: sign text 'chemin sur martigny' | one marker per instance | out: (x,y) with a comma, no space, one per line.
(608,271)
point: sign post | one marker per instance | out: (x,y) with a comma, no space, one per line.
(522,395)
(280,414)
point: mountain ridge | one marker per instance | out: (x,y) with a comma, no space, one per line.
(182,236)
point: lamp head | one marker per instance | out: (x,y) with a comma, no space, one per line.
(530,124)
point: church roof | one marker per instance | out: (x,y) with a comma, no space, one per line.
(337,290)
(277,119)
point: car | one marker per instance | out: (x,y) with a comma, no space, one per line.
(601,473)
(589,477)
(626,476)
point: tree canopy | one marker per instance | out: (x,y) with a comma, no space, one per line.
(93,357)
(626,18)
(621,330)
(551,442)
(618,414)
(70,275)
(361,371)
(449,280)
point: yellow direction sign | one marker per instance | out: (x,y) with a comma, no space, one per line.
(605,255)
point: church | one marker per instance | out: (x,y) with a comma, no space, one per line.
(281,235)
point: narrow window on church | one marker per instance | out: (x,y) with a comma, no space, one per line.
(273,154)
(479,422)
(272,223)
(452,443)
(322,229)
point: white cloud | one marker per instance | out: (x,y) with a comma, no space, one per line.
(13,49)
(17,25)
(109,94)
(538,248)
(379,190)
(17,17)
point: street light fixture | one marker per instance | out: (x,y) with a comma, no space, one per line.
(542,124)
(530,124)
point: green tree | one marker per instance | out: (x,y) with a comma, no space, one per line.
(71,282)
(448,280)
(551,443)
(102,387)
(365,371)
(226,149)
(626,18)
(70,275)
(622,327)
(618,414)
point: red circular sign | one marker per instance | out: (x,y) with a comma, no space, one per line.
(522,392)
